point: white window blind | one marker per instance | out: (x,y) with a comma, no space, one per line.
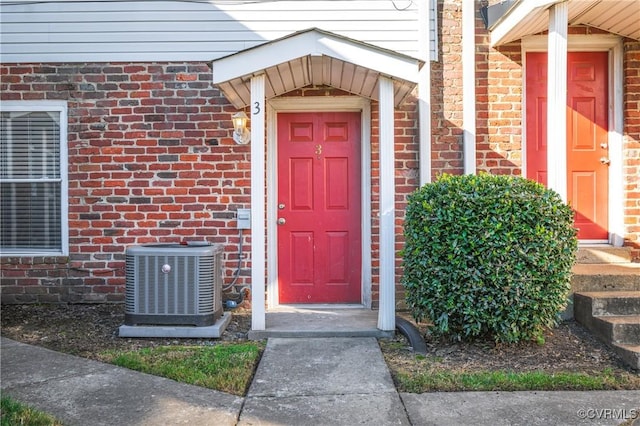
(32,181)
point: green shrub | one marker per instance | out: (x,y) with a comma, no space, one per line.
(488,256)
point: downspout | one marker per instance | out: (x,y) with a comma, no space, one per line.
(424,92)
(469,86)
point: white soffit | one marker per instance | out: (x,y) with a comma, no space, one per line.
(314,57)
(528,17)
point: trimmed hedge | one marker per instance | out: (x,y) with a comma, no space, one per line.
(488,256)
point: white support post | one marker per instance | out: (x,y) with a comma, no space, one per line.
(616,140)
(469,86)
(386,313)
(258,312)
(557,99)
(424,94)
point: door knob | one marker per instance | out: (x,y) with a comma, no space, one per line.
(281,221)
(604,145)
(604,160)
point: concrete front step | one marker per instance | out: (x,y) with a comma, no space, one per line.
(606,298)
(605,277)
(612,302)
(629,353)
(624,329)
(603,254)
(614,317)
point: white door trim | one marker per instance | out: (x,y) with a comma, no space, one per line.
(594,43)
(329,103)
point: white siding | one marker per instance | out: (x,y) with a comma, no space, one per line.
(77,31)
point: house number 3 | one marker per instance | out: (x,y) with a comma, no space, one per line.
(256,108)
(318,149)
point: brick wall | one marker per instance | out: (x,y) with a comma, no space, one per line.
(631,145)
(151,160)
(151,157)
(498,94)
(446,93)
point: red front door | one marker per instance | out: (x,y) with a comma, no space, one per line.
(586,139)
(319,235)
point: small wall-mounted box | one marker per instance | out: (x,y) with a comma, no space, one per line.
(244,218)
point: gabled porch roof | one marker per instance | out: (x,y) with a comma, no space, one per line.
(315,57)
(515,19)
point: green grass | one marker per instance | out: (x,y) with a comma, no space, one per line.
(15,413)
(224,367)
(434,380)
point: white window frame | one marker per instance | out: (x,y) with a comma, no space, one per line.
(61,108)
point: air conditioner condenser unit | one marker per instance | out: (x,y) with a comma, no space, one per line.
(172,285)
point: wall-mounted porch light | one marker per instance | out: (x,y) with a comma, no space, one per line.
(241,135)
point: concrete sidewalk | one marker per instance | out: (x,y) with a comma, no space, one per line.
(83,392)
(323,381)
(312,381)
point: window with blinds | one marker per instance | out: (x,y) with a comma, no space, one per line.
(31,181)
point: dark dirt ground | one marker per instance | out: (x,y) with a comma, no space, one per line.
(87,330)
(568,348)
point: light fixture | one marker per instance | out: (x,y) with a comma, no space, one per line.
(241,135)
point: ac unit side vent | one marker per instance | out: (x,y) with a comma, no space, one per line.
(173,285)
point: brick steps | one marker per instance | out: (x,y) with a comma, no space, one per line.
(606,299)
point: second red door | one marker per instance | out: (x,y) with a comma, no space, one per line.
(586,139)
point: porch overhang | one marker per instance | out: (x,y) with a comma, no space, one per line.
(520,18)
(315,57)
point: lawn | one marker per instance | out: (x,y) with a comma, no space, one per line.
(227,367)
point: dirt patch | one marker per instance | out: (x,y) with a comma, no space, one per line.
(568,347)
(88,330)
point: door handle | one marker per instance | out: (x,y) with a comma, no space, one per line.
(604,160)
(281,221)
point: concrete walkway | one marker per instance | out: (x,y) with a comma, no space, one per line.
(312,381)
(323,381)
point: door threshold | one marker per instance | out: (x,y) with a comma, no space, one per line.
(594,243)
(321,321)
(319,306)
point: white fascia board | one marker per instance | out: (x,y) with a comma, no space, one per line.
(515,16)
(261,57)
(394,66)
